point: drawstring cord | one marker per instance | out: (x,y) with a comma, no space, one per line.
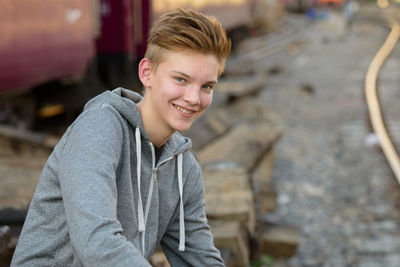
(138,168)
(181,214)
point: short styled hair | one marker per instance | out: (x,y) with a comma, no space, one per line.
(188,29)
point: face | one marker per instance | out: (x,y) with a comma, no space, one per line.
(180,89)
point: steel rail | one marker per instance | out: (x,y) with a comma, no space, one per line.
(372,100)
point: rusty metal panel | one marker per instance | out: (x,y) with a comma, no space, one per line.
(44,40)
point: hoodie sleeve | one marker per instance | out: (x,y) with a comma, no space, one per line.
(199,246)
(88,183)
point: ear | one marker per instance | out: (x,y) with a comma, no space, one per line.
(145,68)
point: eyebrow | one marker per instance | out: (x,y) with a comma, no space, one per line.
(188,77)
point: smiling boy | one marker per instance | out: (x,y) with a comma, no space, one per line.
(178,91)
(121,180)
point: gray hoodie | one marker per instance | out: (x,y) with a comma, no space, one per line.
(103,200)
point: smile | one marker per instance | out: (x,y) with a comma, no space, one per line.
(183,110)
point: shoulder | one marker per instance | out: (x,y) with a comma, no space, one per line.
(99,125)
(191,163)
(100,119)
(95,139)
(104,113)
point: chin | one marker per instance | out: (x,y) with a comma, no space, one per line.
(182,128)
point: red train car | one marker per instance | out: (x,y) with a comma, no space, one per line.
(44,40)
(47,40)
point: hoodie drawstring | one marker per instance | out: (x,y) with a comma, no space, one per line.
(138,169)
(142,216)
(181,214)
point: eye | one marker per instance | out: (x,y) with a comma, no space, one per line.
(207,87)
(180,80)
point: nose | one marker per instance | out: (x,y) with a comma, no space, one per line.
(192,95)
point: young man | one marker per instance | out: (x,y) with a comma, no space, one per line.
(121,180)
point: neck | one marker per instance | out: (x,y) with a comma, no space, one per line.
(157,132)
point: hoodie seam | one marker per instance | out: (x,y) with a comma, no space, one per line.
(180,150)
(195,184)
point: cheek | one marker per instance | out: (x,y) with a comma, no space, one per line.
(166,89)
(172,92)
(205,100)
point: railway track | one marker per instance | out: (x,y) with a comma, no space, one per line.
(374,107)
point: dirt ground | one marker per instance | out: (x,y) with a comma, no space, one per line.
(333,181)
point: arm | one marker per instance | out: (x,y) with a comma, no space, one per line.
(199,247)
(88,183)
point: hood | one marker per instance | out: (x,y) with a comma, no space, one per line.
(124,101)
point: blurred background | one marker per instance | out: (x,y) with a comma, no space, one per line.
(293,170)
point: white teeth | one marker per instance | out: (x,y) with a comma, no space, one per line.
(182,109)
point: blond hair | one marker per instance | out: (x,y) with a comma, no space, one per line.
(187,29)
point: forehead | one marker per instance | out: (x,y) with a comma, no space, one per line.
(191,63)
